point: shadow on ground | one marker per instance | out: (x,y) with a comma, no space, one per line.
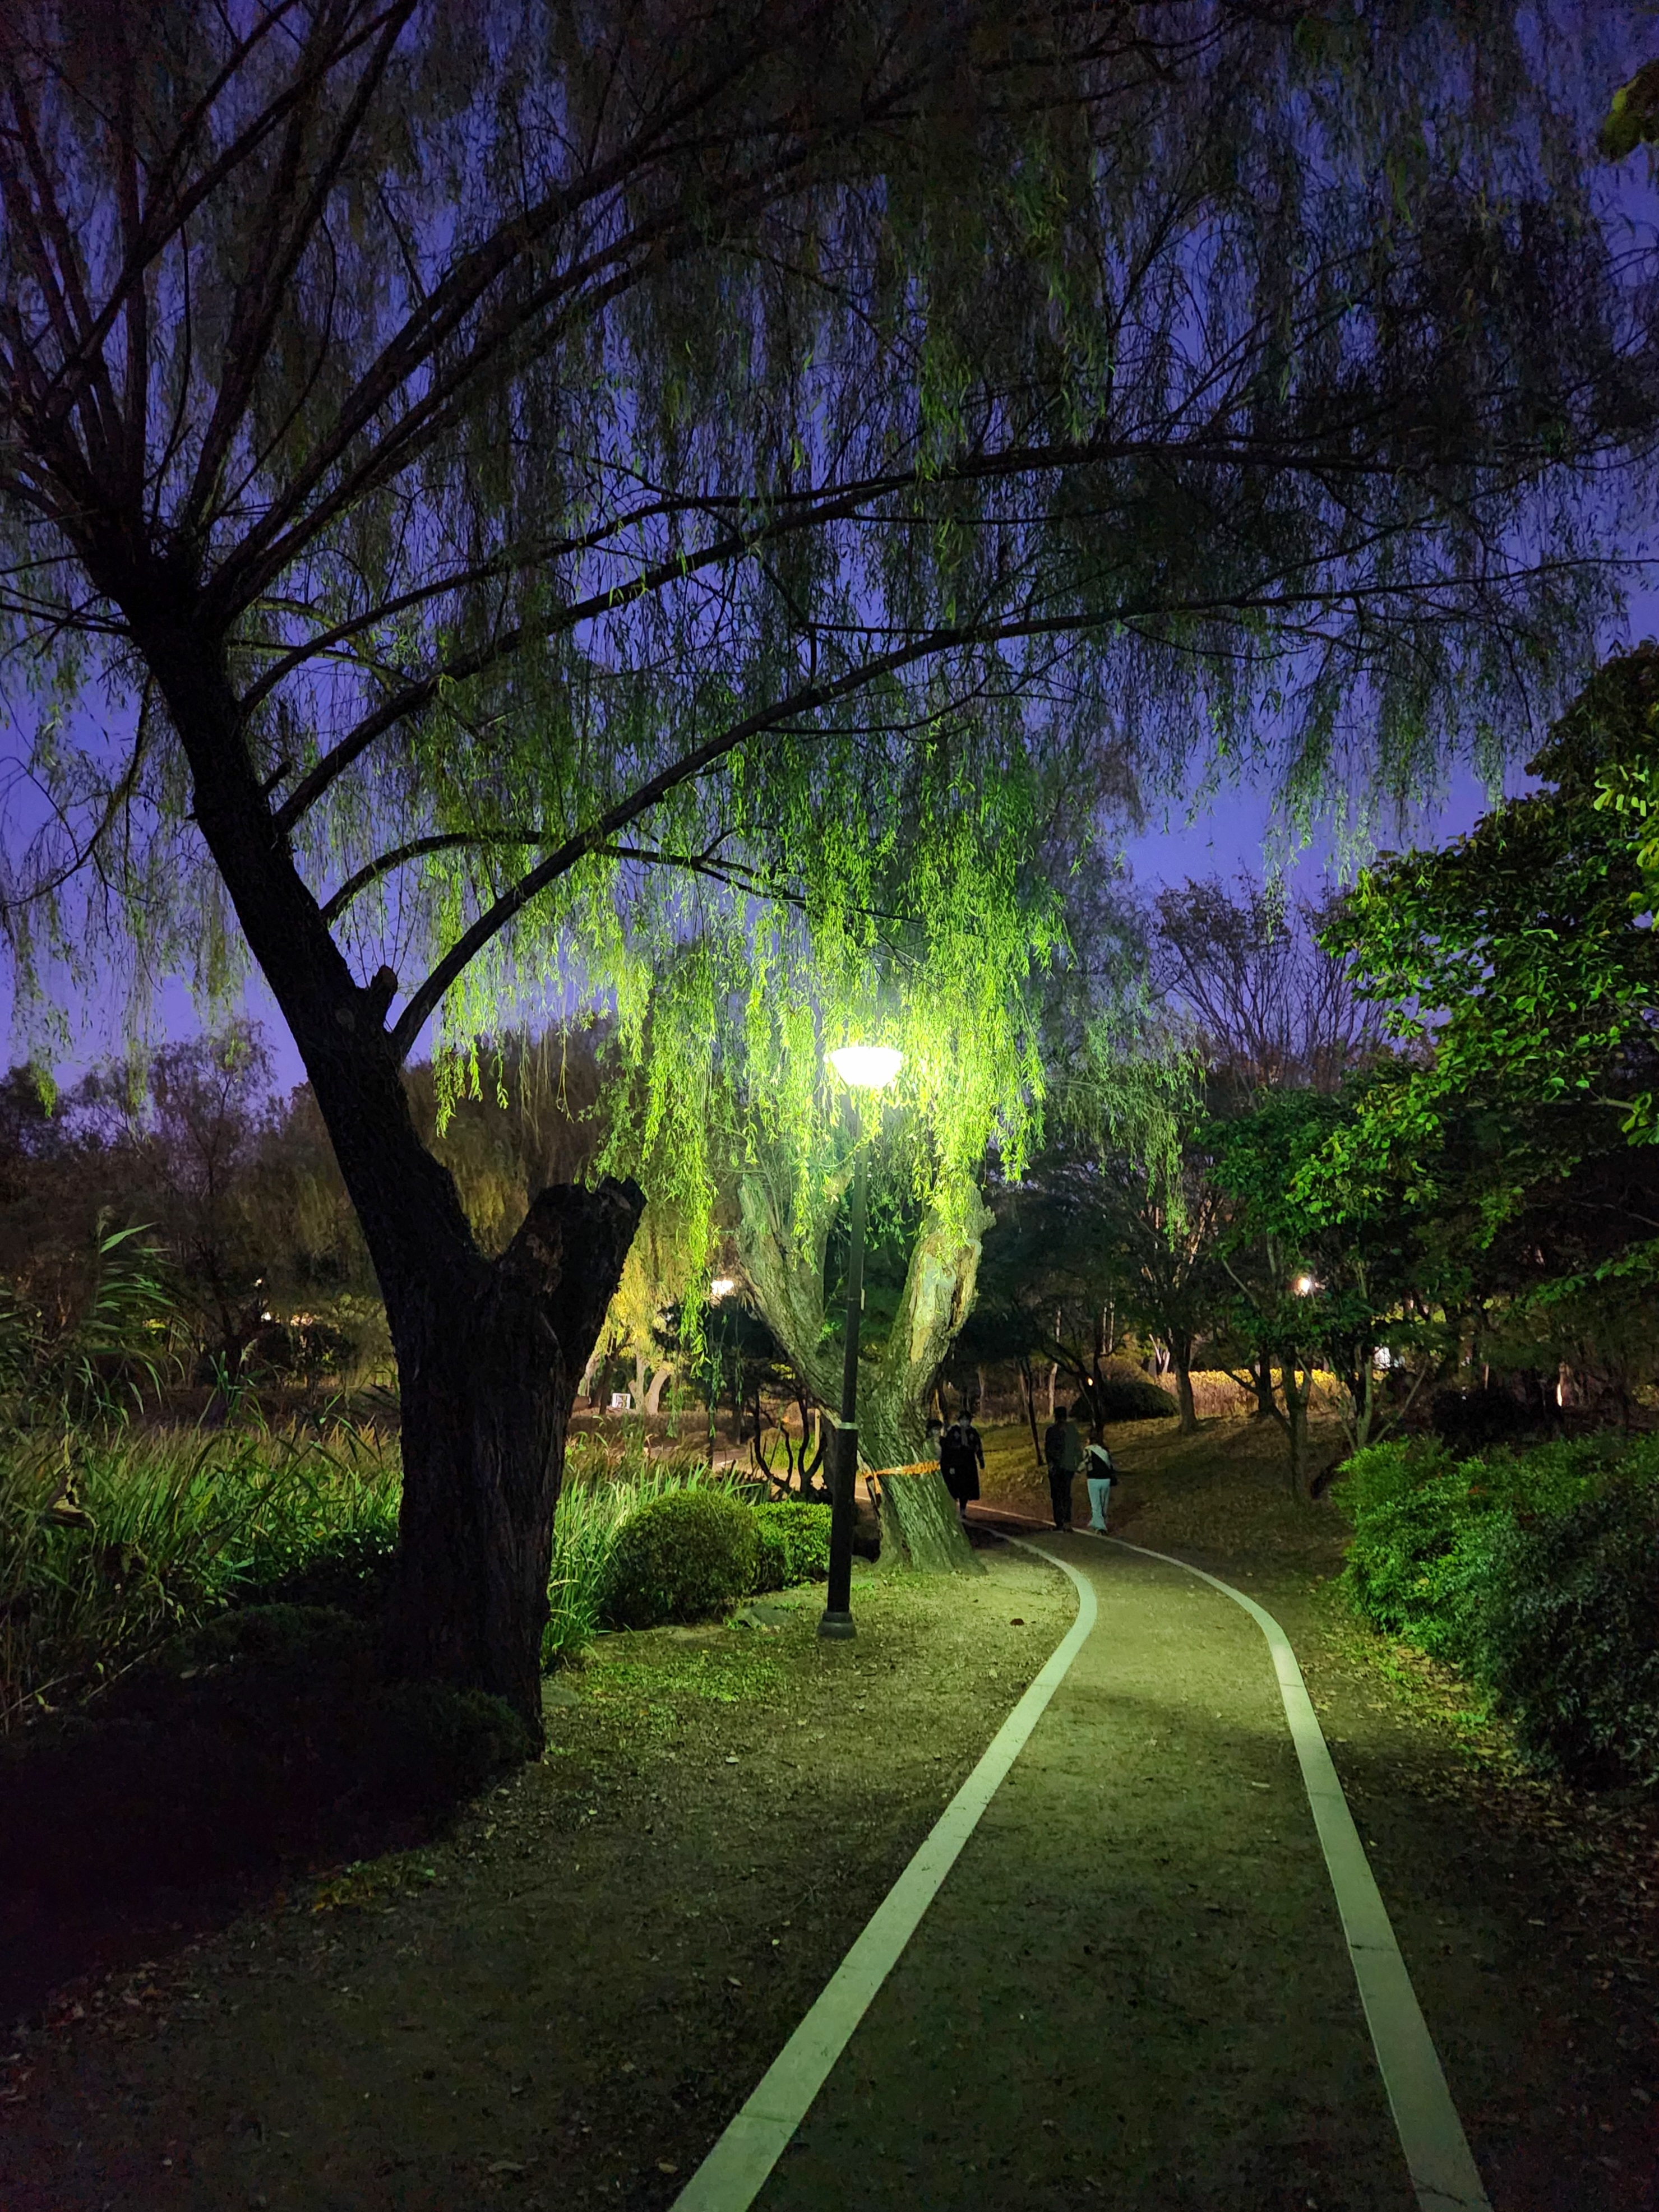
(270,1740)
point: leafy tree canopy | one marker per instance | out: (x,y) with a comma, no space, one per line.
(628,472)
(1521,966)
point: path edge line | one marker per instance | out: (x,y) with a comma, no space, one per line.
(1442,2166)
(740,2163)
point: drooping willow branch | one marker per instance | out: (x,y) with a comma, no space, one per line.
(731,873)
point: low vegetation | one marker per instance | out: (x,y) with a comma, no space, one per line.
(110,1545)
(1536,1574)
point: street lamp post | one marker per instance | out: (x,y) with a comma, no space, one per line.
(862,1067)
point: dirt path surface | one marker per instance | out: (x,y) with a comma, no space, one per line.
(1134,1989)
(559,2005)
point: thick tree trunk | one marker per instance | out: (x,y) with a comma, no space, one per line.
(488,1383)
(489,1352)
(920,1521)
(782,1262)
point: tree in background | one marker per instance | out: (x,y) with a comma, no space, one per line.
(517,475)
(1362,1291)
(1262,1002)
(1517,969)
(1518,965)
(193,1123)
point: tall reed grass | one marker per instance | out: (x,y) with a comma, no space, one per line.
(107,1544)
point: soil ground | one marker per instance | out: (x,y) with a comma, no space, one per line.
(562,2003)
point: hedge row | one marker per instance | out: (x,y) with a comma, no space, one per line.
(1535,1573)
(687,1554)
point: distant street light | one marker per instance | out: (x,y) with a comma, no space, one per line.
(861,1067)
(1304,1286)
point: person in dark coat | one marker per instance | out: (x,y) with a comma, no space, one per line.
(1062,1448)
(961,1456)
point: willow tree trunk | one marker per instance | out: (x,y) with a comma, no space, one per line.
(489,1352)
(781,1252)
(489,1380)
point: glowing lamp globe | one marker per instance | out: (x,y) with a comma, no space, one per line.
(866,1066)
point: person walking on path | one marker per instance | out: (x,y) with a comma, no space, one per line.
(961,1456)
(1062,1447)
(1097,1472)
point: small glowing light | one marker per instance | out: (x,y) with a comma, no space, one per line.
(866,1066)
(723,1286)
(1303,1285)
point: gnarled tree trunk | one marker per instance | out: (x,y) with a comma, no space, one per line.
(781,1252)
(490,1352)
(489,1376)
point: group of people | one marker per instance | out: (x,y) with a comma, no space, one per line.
(1067,1452)
(1067,1455)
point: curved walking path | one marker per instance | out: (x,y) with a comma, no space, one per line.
(1052,2033)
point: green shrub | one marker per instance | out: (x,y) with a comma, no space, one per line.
(351,1569)
(1568,1642)
(170,1527)
(682,1557)
(794,1543)
(438,1744)
(604,1488)
(269,1736)
(1537,1573)
(1128,1398)
(297,1636)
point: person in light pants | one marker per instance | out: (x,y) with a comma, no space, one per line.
(1097,1473)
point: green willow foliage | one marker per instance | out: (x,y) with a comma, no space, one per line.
(722,1035)
(664,489)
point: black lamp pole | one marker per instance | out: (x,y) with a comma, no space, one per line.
(837,1620)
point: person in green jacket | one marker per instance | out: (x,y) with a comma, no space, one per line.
(1062,1447)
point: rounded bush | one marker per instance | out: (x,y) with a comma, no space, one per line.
(351,1570)
(431,1744)
(682,1557)
(794,1543)
(1129,1398)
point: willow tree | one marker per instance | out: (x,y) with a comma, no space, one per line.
(942,945)
(466,468)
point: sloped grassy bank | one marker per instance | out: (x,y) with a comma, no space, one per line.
(1536,1575)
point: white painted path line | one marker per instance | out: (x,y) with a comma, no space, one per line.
(736,2170)
(1442,2169)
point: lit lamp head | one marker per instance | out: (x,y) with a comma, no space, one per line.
(866,1066)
